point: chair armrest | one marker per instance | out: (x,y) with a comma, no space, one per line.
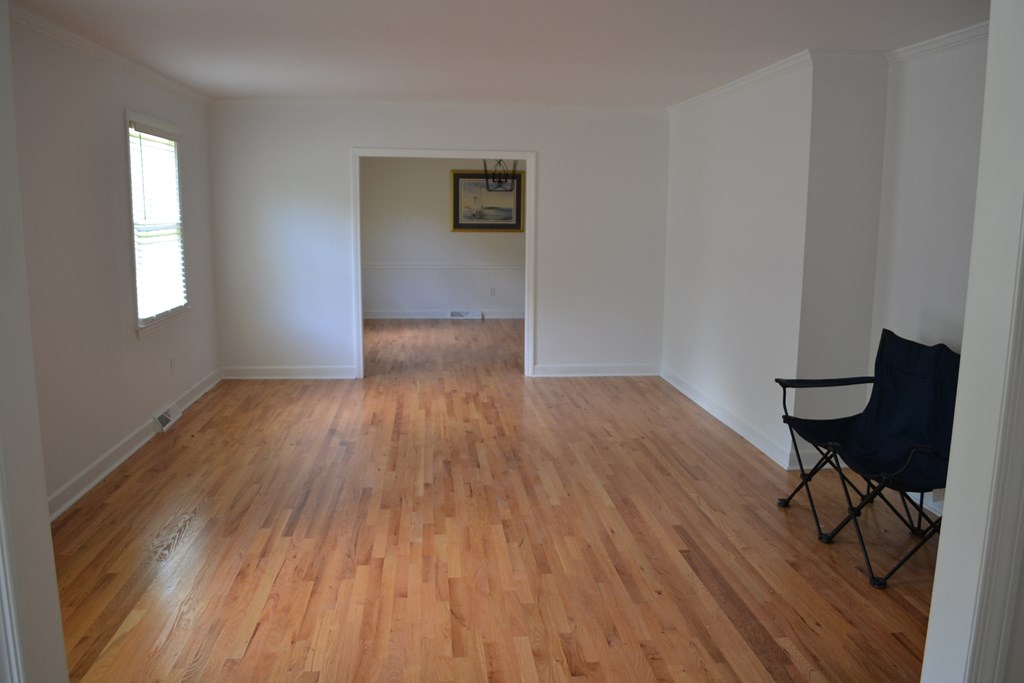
(818,383)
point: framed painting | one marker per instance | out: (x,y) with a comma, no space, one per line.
(475,208)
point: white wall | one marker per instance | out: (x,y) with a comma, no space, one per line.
(974,612)
(99,384)
(929,185)
(929,182)
(840,247)
(283,173)
(866,151)
(414,266)
(27,552)
(737,210)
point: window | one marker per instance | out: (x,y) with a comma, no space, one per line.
(156,215)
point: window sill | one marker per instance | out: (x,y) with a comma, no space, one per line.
(161,322)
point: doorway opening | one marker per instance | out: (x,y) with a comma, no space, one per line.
(409,264)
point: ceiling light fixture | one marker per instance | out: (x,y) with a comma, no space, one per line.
(500,178)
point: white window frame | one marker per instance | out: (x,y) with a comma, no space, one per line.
(153,126)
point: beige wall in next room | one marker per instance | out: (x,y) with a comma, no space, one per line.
(414,266)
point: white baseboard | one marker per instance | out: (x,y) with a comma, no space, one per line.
(779,453)
(435,315)
(199,388)
(511,314)
(291,372)
(933,501)
(642,370)
(64,497)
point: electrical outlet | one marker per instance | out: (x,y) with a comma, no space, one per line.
(494,291)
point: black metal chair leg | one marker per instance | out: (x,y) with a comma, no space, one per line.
(925,537)
(852,511)
(805,478)
(825,458)
(853,514)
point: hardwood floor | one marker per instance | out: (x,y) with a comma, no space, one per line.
(448,519)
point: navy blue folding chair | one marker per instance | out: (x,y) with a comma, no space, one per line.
(899,443)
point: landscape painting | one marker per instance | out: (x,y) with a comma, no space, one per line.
(476,207)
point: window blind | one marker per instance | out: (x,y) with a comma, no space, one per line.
(156,214)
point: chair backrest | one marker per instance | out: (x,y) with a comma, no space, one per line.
(913,397)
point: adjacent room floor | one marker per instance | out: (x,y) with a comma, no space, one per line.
(448,519)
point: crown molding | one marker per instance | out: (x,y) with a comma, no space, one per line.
(46,27)
(772,71)
(939,43)
(819,56)
(848,57)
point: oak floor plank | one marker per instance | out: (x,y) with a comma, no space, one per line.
(447,519)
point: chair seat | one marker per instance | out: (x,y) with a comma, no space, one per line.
(823,432)
(926,471)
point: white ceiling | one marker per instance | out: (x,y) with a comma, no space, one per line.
(571,52)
